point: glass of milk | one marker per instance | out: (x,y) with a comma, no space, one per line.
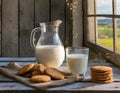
(77,60)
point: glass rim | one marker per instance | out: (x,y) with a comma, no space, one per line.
(84,48)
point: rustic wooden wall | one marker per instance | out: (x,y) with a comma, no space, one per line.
(19,17)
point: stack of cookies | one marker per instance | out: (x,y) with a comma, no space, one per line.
(101,74)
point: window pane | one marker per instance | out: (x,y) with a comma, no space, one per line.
(105,32)
(118,6)
(104,6)
(118,38)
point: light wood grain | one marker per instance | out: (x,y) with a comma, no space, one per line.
(42,11)
(103,15)
(42,14)
(105,53)
(11,87)
(91,29)
(78,25)
(10,28)
(69,26)
(115,27)
(18,59)
(26,26)
(91,21)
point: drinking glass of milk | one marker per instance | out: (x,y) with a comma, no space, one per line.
(77,60)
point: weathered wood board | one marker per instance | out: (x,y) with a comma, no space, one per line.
(69,27)
(19,17)
(78,24)
(26,25)
(42,11)
(10,28)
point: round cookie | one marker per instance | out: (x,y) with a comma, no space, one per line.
(102,75)
(38,69)
(40,78)
(41,68)
(102,82)
(54,73)
(102,78)
(28,75)
(33,69)
(25,69)
(36,73)
(101,69)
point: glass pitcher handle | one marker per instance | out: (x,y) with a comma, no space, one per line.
(32,36)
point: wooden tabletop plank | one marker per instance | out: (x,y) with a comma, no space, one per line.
(13,86)
(28,59)
(5,79)
(105,63)
(21,63)
(89,86)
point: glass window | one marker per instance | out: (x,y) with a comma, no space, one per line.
(102,27)
(104,6)
(105,32)
(118,7)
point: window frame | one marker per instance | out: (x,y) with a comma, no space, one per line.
(112,56)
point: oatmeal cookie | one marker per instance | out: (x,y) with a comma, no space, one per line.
(25,69)
(54,73)
(101,69)
(40,78)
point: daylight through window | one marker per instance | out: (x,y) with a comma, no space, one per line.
(103,22)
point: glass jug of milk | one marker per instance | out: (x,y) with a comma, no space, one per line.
(49,49)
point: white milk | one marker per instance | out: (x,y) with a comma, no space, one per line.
(50,55)
(77,63)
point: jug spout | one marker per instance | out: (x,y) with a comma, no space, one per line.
(57,22)
(52,23)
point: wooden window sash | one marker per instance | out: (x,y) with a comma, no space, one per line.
(114,26)
(95,22)
(92,21)
(106,53)
(103,15)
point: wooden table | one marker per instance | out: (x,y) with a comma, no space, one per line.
(85,86)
